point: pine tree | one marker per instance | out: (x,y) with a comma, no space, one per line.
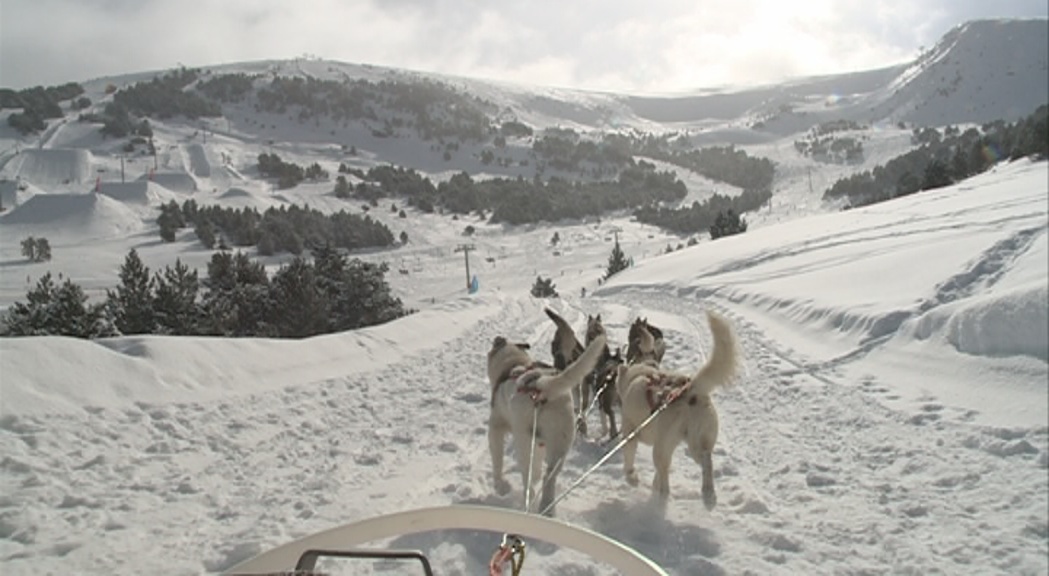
(202,228)
(36,249)
(217,300)
(959,165)
(175,300)
(300,308)
(267,244)
(170,220)
(332,277)
(29,248)
(727,223)
(33,318)
(131,305)
(907,184)
(61,311)
(544,288)
(342,187)
(237,300)
(75,317)
(369,296)
(43,250)
(617,261)
(936,176)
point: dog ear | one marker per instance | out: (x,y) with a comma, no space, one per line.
(523,345)
(498,342)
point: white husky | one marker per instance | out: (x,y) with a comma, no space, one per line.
(689,415)
(520,388)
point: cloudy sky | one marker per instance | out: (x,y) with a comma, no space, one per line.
(646,46)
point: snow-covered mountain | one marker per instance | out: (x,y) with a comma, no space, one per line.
(980,71)
(890,416)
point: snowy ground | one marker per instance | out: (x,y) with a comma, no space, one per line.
(892,415)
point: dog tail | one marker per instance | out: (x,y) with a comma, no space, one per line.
(722,364)
(561,323)
(562,382)
(565,346)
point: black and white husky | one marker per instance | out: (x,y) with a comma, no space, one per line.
(530,397)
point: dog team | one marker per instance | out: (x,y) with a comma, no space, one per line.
(541,406)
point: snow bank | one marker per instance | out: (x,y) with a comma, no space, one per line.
(1015,323)
(175,181)
(137,192)
(198,161)
(52,167)
(56,374)
(83,216)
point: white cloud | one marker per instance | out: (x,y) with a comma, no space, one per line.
(659,45)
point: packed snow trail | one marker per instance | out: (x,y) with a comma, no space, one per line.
(809,458)
(814,474)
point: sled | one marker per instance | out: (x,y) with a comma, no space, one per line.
(301,555)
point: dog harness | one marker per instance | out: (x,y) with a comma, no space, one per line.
(525,377)
(665,389)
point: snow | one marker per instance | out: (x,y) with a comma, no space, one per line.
(52,167)
(891,417)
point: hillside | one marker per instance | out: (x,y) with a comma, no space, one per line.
(888,413)
(888,408)
(207,129)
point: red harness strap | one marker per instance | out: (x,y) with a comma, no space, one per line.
(502,555)
(511,552)
(525,379)
(664,389)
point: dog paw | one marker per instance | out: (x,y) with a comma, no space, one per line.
(580,426)
(710,499)
(631,478)
(502,487)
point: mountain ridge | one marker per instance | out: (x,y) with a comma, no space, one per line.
(443,126)
(872,91)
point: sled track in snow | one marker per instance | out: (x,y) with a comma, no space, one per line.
(814,474)
(805,457)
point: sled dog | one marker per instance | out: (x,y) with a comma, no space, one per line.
(659,346)
(689,416)
(520,388)
(602,380)
(565,348)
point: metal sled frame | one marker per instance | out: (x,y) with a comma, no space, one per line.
(498,520)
